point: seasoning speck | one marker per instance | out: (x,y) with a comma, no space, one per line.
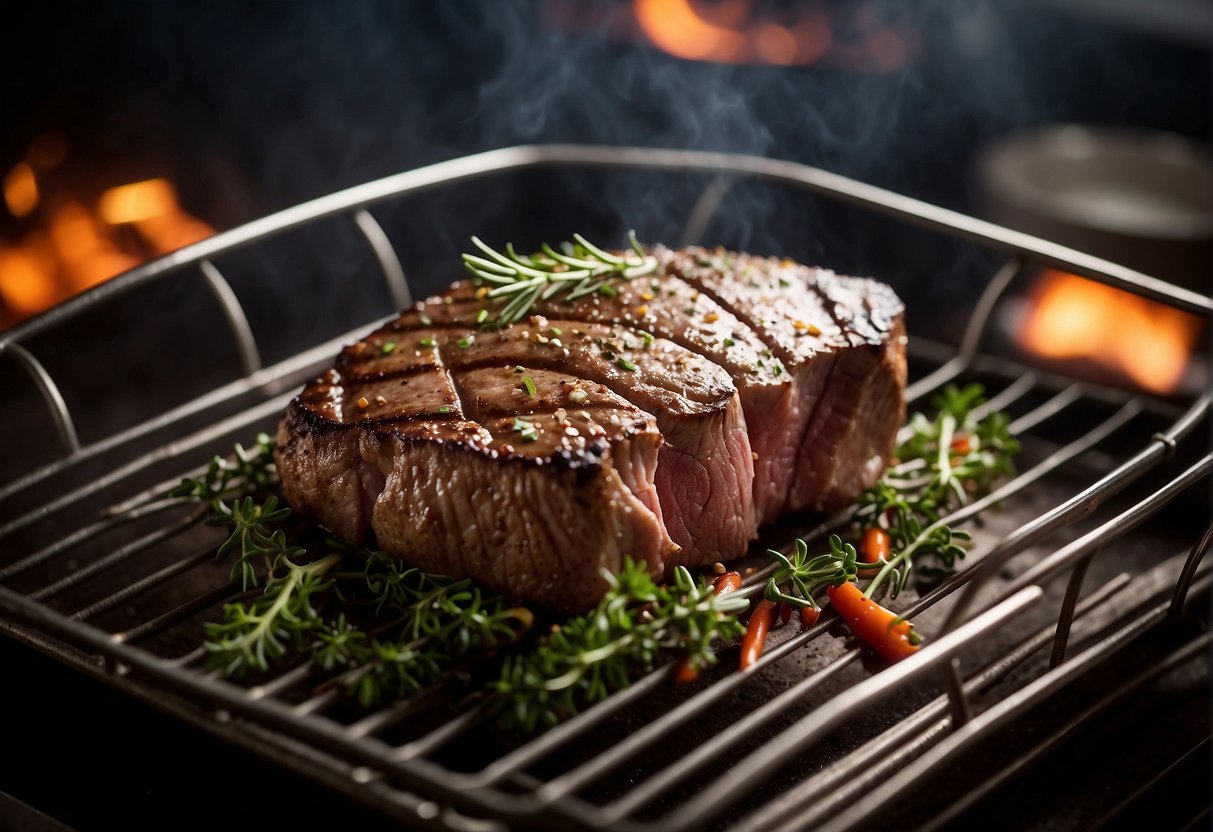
(427,342)
(482,316)
(529,385)
(527,430)
(718,568)
(444,409)
(578,396)
(626,365)
(388,347)
(711,318)
(466,341)
(363,403)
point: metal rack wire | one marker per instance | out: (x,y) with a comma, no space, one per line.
(48,602)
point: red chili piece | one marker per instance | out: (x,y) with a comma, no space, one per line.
(726,583)
(755,638)
(809,616)
(875,545)
(891,637)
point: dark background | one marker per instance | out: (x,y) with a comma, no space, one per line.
(253,107)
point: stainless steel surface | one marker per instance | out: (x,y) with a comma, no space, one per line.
(1137,197)
(115,580)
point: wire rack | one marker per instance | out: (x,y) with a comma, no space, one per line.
(118,580)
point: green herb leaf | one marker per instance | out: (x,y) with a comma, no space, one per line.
(526,429)
(519,280)
(636,626)
(529,384)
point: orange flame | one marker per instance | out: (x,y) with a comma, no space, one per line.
(1072,317)
(73,244)
(21,190)
(727,31)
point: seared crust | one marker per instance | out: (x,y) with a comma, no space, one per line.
(665,422)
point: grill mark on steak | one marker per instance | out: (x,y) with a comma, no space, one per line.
(706,477)
(674,309)
(654,457)
(534,519)
(840,339)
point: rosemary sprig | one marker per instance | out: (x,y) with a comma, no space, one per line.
(588,657)
(580,268)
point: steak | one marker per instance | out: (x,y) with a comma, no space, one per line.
(840,341)
(664,421)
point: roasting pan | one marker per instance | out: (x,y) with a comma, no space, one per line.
(1083,595)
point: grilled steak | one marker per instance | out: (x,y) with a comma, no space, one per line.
(841,343)
(666,422)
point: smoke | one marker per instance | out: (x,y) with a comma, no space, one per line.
(262,105)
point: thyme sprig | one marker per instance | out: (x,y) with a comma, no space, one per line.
(942,464)
(423,622)
(804,576)
(236,478)
(252,636)
(634,626)
(402,628)
(580,268)
(245,472)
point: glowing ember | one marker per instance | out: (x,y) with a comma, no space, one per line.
(138,201)
(1072,317)
(21,190)
(729,31)
(72,243)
